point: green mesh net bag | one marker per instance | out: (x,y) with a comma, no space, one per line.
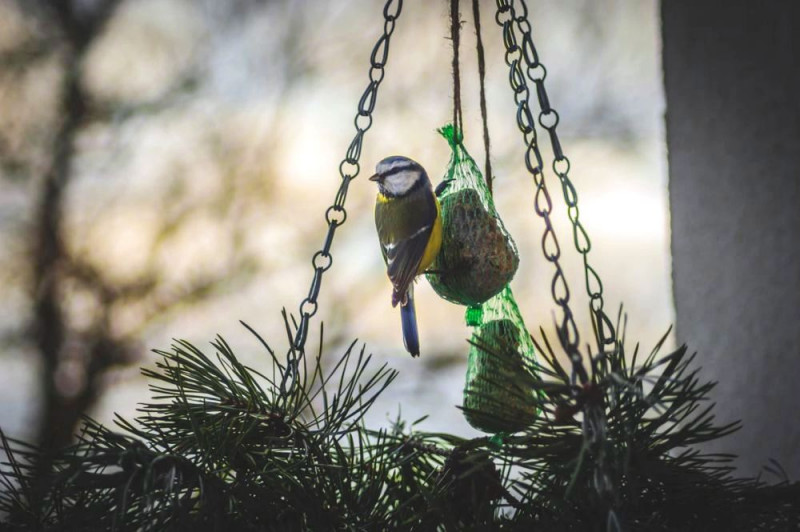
(476,262)
(478,257)
(499,392)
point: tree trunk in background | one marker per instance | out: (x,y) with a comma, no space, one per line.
(61,411)
(58,421)
(732,80)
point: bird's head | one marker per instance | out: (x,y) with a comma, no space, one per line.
(397,175)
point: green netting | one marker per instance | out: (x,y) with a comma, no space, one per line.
(499,393)
(478,257)
(477,260)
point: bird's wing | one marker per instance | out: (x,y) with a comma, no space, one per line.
(404,228)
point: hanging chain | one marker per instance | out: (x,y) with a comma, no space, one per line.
(548,119)
(594,419)
(543,204)
(349,168)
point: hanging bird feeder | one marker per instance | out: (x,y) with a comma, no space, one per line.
(499,394)
(478,258)
(477,261)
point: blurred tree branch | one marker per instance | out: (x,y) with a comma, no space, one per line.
(21,57)
(185,86)
(81,25)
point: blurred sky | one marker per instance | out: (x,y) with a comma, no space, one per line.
(231,118)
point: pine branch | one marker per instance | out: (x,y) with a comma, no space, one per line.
(225,446)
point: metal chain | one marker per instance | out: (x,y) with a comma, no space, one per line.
(548,119)
(543,205)
(594,421)
(349,168)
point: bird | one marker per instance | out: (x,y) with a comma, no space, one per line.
(408,218)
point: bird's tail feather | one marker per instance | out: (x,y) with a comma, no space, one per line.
(408,315)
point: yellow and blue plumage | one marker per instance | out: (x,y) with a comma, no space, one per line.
(409,223)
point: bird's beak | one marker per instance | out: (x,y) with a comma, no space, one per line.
(375,177)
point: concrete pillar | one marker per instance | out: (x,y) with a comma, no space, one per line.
(732,80)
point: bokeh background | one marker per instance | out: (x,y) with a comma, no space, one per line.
(165,166)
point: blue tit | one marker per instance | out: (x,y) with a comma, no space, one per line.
(409,222)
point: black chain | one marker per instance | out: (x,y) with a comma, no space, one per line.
(349,168)
(543,205)
(548,119)
(594,420)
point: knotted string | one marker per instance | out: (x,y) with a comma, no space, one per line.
(455,35)
(476,14)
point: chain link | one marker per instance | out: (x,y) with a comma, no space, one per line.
(349,168)
(568,335)
(548,119)
(594,420)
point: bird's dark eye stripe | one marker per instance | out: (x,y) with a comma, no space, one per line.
(398,169)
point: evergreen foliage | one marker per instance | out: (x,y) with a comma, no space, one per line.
(222,446)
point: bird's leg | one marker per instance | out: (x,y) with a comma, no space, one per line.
(463,266)
(439,272)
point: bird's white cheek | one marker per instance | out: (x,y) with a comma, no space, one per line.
(400,183)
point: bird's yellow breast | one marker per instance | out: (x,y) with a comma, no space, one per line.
(434,242)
